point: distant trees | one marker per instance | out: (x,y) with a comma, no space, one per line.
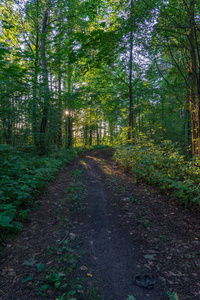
(111,64)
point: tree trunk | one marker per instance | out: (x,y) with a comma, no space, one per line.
(194,99)
(130,123)
(90,134)
(111,129)
(44,120)
(97,132)
(194,79)
(59,88)
(59,107)
(9,132)
(86,134)
(70,138)
(69,131)
(35,82)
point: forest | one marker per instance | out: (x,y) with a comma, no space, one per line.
(87,73)
(77,75)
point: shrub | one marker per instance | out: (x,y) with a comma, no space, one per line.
(164,166)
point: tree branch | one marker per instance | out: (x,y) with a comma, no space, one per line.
(119,75)
(177,65)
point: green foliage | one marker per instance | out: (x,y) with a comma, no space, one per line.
(27,279)
(7,212)
(63,278)
(40,267)
(172,296)
(131,298)
(164,166)
(22,176)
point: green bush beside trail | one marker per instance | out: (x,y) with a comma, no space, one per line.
(164,166)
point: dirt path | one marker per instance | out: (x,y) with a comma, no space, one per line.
(109,251)
(121,230)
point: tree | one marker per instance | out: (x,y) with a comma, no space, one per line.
(176,36)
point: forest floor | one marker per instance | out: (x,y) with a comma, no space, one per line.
(99,234)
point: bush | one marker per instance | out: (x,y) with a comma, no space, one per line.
(164,166)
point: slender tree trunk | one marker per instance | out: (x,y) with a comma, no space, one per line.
(60,86)
(9,132)
(90,137)
(130,129)
(69,104)
(86,134)
(90,134)
(9,123)
(70,138)
(104,132)
(59,107)
(44,120)
(100,132)
(35,82)
(111,129)
(69,90)
(97,132)
(69,132)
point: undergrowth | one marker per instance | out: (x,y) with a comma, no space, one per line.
(22,176)
(164,166)
(64,279)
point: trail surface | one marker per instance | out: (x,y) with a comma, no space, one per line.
(127,229)
(110,252)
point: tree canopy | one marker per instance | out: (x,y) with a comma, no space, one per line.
(89,72)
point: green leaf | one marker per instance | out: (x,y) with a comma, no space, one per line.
(55,277)
(172,296)
(27,279)
(44,287)
(131,298)
(40,267)
(5,221)
(72,293)
(17,226)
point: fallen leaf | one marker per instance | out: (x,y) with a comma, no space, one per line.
(72,235)
(145,281)
(83,268)
(150,256)
(29,262)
